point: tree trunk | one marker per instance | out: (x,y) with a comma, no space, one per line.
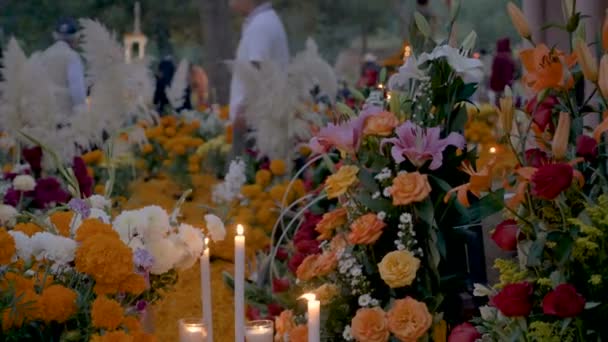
(216,25)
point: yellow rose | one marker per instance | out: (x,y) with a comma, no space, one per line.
(369,325)
(410,187)
(409,319)
(398,268)
(326,293)
(337,184)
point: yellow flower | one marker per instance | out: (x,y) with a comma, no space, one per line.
(509,272)
(251,190)
(326,293)
(586,60)
(106,313)
(559,147)
(506,110)
(519,20)
(337,184)
(134,284)
(107,259)
(398,268)
(278,167)
(595,279)
(147,148)
(7,247)
(277,192)
(57,303)
(170,132)
(92,157)
(263,178)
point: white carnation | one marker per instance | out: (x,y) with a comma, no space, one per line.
(24,183)
(156,222)
(99,202)
(53,247)
(23,245)
(191,240)
(8,214)
(165,254)
(215,227)
(129,224)
(135,244)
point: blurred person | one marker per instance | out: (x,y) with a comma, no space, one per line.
(370,70)
(263,38)
(503,68)
(199,85)
(65,67)
(164,76)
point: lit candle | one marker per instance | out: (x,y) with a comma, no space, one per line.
(239,284)
(259,331)
(192,330)
(206,290)
(314,317)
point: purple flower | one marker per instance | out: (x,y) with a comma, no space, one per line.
(11,197)
(48,190)
(85,182)
(141,305)
(143,258)
(346,136)
(79,206)
(420,145)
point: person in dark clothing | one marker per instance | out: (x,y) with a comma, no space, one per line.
(164,76)
(503,67)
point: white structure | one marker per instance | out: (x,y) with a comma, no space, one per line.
(136,41)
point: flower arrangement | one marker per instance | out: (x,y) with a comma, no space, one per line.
(555,214)
(380,258)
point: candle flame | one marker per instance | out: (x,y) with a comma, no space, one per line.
(206,241)
(239,229)
(380,86)
(309,296)
(492,149)
(388,96)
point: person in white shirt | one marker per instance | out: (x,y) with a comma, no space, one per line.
(66,68)
(263,38)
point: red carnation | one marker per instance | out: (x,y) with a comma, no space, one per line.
(505,235)
(536,157)
(586,147)
(514,300)
(551,180)
(542,113)
(280,285)
(563,302)
(464,332)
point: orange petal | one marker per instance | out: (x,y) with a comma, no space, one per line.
(601,128)
(462,196)
(580,178)
(526,172)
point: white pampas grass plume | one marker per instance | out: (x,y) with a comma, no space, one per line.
(100,49)
(177,90)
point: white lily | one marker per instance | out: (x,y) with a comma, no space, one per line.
(470,69)
(409,71)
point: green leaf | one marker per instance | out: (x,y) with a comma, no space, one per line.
(422,24)
(356,94)
(382,76)
(377,205)
(425,212)
(591,305)
(367,180)
(345,110)
(536,251)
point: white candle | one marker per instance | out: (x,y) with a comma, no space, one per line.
(206,290)
(314,317)
(239,284)
(192,330)
(259,331)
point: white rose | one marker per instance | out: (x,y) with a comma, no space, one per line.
(165,254)
(8,214)
(99,202)
(215,227)
(156,222)
(23,245)
(24,183)
(53,247)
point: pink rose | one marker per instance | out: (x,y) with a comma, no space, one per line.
(464,332)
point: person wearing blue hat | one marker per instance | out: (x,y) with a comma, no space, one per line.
(66,68)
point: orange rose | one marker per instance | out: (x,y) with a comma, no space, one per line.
(366,230)
(306,270)
(325,264)
(330,222)
(409,319)
(410,187)
(338,243)
(284,324)
(369,325)
(381,124)
(299,334)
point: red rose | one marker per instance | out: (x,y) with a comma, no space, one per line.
(505,235)
(308,246)
(586,147)
(563,302)
(282,254)
(514,300)
(280,285)
(252,313)
(274,309)
(464,332)
(551,180)
(295,261)
(542,113)
(536,157)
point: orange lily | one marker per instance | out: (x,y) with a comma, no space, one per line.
(547,68)
(479,181)
(601,128)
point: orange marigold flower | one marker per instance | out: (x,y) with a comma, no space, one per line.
(113,336)
(26,309)
(106,313)
(251,190)
(92,157)
(57,303)
(28,228)
(330,222)
(7,247)
(263,178)
(141,336)
(91,227)
(132,324)
(147,148)
(134,284)
(366,230)
(106,258)
(62,220)
(278,167)
(17,282)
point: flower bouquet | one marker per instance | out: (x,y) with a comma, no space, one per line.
(556,213)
